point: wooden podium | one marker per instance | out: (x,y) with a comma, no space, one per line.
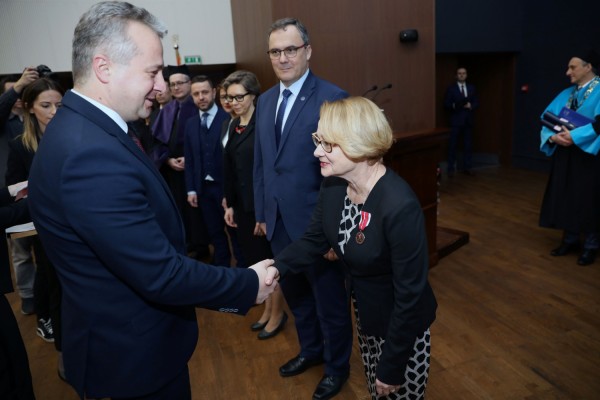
(415,157)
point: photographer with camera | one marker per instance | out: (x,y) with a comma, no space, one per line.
(461,101)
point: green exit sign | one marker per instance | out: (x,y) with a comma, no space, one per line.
(193,59)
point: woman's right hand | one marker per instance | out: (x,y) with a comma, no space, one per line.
(229,220)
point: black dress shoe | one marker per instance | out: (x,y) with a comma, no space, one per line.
(258,326)
(298,365)
(564,249)
(587,257)
(329,386)
(264,334)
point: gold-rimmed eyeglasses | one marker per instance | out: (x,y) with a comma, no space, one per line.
(290,52)
(328,147)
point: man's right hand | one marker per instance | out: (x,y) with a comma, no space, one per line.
(267,282)
(30,74)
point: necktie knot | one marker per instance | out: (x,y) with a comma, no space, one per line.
(286,93)
(204,120)
(135,139)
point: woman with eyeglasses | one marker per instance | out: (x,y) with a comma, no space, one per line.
(243,88)
(374,223)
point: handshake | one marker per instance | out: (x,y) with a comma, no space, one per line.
(267,279)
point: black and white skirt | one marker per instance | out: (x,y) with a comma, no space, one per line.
(417,369)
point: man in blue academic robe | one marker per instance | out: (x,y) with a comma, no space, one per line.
(572,197)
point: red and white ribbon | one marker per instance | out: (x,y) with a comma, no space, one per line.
(365,218)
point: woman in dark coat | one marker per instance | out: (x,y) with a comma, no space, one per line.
(242,91)
(373,221)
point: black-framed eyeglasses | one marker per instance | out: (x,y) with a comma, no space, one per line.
(238,97)
(328,147)
(224,98)
(178,83)
(290,52)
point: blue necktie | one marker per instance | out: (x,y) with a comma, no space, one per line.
(280,112)
(203,121)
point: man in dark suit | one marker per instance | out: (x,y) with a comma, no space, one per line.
(110,225)
(286,185)
(461,101)
(168,153)
(204,165)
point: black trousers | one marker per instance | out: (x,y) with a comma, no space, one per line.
(15,377)
(47,274)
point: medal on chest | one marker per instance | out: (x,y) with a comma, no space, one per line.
(365,218)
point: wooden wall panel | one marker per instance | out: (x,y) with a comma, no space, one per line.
(355,45)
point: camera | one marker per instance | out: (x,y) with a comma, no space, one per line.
(43,70)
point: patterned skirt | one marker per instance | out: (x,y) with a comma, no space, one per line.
(417,369)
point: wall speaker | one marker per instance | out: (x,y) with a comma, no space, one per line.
(409,35)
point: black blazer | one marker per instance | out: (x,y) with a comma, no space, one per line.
(454,102)
(238,164)
(387,273)
(19,161)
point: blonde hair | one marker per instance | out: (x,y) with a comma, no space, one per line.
(358,127)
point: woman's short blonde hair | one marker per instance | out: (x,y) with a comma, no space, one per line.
(357,126)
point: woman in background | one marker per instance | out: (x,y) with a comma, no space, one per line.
(242,90)
(373,221)
(41,100)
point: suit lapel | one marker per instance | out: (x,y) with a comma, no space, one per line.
(248,132)
(306,91)
(81,106)
(270,109)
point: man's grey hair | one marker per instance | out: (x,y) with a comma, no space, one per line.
(103,28)
(282,24)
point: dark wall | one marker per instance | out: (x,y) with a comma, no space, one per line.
(555,29)
(542,33)
(471,26)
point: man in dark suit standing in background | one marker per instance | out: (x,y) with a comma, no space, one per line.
(110,225)
(168,154)
(287,179)
(461,101)
(204,165)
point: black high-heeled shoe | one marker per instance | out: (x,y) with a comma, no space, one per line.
(258,326)
(263,335)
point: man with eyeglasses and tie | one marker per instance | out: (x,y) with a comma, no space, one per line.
(461,101)
(287,179)
(169,132)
